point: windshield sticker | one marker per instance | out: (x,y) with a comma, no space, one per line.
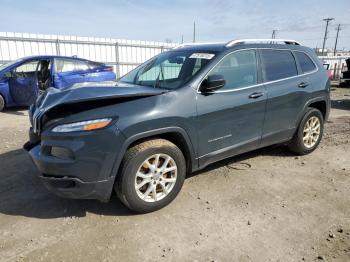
(202,55)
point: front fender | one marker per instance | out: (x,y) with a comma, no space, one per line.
(151,133)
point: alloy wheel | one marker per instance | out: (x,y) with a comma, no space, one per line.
(156,177)
(311,132)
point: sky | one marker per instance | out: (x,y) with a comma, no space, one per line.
(160,20)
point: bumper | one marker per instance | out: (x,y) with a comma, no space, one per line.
(79,165)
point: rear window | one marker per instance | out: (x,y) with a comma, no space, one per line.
(305,62)
(278,64)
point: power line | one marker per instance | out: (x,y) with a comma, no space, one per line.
(326,33)
(336,39)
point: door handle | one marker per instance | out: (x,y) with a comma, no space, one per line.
(256,95)
(303,84)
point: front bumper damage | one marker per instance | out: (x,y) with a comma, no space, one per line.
(72,166)
(80,164)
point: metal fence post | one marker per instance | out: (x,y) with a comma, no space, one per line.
(117,59)
(58,46)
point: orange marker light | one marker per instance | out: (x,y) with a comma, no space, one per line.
(98,125)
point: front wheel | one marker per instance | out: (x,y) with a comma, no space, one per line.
(151,176)
(309,133)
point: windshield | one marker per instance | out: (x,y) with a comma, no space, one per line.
(10,64)
(169,70)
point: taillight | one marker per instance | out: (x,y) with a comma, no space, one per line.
(109,68)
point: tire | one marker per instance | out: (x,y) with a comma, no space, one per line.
(2,103)
(136,168)
(300,146)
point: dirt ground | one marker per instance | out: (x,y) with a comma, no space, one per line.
(268,205)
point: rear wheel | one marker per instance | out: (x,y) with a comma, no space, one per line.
(152,175)
(309,133)
(2,103)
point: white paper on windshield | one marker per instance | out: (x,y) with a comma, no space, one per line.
(202,55)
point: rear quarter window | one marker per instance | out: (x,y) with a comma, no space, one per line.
(278,64)
(70,65)
(95,65)
(305,62)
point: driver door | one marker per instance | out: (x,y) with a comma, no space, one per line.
(23,83)
(230,120)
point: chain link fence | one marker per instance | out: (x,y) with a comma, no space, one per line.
(123,55)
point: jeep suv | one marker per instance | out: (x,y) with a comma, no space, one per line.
(177,113)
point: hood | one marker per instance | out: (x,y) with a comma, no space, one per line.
(56,104)
(94,92)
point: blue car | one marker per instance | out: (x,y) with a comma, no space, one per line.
(22,80)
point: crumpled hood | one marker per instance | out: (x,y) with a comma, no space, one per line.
(85,98)
(56,97)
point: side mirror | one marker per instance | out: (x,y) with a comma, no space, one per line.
(212,83)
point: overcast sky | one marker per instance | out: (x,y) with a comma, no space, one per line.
(216,20)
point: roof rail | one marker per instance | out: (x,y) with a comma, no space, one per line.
(195,44)
(272,40)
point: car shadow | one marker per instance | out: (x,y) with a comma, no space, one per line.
(18,110)
(23,194)
(275,150)
(343,104)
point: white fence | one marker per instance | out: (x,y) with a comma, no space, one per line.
(123,55)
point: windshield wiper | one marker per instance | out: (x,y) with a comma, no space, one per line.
(157,80)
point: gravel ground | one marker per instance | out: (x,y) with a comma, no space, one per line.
(268,205)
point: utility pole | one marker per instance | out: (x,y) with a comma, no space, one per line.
(273,36)
(182,39)
(194,31)
(326,33)
(336,39)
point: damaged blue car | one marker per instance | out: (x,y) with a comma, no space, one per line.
(22,80)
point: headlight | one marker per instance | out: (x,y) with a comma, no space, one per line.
(83,125)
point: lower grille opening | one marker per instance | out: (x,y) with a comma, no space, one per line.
(59,152)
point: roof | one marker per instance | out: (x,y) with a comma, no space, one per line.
(276,43)
(52,56)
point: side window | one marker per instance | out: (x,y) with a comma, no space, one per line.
(69,65)
(278,64)
(28,67)
(305,62)
(81,65)
(64,65)
(239,69)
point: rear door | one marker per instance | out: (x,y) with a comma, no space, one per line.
(286,94)
(23,83)
(230,120)
(69,72)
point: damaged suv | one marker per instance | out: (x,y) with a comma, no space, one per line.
(177,113)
